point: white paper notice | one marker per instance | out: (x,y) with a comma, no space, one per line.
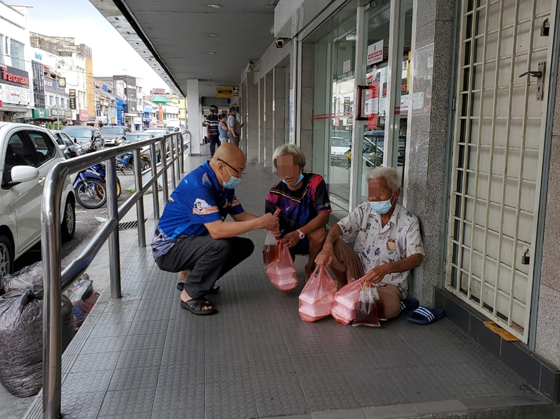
(346,66)
(418,101)
(375,53)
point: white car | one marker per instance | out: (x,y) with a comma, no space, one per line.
(27,154)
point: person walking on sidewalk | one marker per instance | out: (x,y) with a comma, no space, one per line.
(233,126)
(212,131)
(193,238)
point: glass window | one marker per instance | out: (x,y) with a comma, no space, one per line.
(44,147)
(18,153)
(17,54)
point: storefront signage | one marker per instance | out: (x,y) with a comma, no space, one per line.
(160,113)
(375,53)
(346,65)
(39,56)
(72,96)
(14,76)
(13,94)
(226,92)
(84,115)
(41,113)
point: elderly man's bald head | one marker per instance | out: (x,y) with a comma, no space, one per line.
(231,154)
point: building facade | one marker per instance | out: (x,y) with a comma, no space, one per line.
(17,94)
(461,98)
(62,57)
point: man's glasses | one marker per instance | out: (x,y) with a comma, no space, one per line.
(239,172)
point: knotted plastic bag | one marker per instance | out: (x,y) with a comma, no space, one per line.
(316,298)
(21,339)
(345,301)
(366,311)
(271,252)
(283,273)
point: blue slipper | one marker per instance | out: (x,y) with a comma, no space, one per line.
(424,315)
(409,303)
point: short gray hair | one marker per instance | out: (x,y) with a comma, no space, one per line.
(289,149)
(390,175)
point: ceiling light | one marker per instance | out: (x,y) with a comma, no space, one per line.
(215,6)
(211,35)
(211,53)
(210,73)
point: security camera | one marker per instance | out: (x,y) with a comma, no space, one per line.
(281,42)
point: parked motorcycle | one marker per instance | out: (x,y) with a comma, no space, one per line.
(90,187)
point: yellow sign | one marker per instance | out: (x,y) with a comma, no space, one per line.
(224,91)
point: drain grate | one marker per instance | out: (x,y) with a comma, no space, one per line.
(129,224)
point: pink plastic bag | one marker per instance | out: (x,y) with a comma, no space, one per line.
(283,274)
(316,298)
(345,301)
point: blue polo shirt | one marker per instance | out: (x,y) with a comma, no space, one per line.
(199,199)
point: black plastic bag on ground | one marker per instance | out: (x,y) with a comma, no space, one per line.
(21,337)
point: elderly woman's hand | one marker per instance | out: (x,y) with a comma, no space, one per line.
(325,257)
(290,239)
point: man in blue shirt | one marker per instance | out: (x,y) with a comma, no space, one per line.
(192,236)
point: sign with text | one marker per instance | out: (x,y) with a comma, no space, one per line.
(13,76)
(72,97)
(84,115)
(346,66)
(375,53)
(226,92)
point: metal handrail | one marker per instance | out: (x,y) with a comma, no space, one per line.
(55,280)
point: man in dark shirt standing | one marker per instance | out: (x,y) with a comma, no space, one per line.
(212,131)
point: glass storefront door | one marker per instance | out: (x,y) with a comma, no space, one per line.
(333,112)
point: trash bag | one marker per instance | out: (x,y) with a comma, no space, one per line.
(283,273)
(26,277)
(345,300)
(21,337)
(80,289)
(366,311)
(82,308)
(316,298)
(271,252)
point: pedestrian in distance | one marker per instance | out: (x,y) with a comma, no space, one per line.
(193,237)
(212,130)
(223,128)
(234,127)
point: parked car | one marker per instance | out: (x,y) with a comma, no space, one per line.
(69,148)
(88,137)
(27,154)
(377,137)
(339,147)
(140,136)
(113,136)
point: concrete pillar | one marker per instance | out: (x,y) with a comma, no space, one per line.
(278,107)
(306,102)
(252,121)
(260,146)
(425,171)
(195,117)
(268,87)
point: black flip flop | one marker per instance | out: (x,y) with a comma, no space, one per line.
(195,307)
(214,290)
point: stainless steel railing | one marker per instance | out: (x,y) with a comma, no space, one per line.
(55,280)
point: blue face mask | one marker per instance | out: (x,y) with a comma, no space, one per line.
(232,183)
(381,207)
(299,179)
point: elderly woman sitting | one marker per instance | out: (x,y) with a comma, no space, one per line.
(304,205)
(388,241)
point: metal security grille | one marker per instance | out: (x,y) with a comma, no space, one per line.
(497,158)
(127,225)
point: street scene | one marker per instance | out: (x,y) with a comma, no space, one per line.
(313,209)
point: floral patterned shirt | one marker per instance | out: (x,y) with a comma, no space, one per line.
(376,245)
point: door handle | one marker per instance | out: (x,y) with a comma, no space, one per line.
(539,75)
(42,180)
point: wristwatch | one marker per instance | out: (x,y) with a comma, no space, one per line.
(301,235)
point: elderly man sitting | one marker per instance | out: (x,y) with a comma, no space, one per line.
(388,242)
